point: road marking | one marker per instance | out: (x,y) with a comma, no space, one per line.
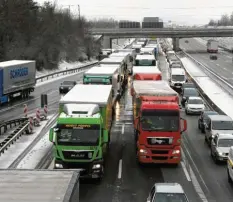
(195,166)
(195,182)
(218,65)
(120,169)
(185,171)
(123,129)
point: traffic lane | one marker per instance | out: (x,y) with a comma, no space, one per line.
(108,188)
(214,176)
(51,89)
(223,66)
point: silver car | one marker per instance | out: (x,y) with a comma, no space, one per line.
(220,147)
(167,192)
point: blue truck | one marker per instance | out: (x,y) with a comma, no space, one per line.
(17,79)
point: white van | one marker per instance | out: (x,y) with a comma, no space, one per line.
(230,165)
(177,77)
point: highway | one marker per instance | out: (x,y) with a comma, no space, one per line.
(124,179)
(223,66)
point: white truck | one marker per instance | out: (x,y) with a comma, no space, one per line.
(212,46)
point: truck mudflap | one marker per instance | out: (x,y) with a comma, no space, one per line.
(164,156)
(94,170)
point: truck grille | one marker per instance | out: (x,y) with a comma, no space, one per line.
(77,155)
(160,151)
(159,141)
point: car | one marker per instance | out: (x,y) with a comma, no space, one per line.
(167,192)
(66,86)
(220,146)
(230,166)
(203,117)
(187,92)
(213,57)
(217,124)
(187,85)
(194,105)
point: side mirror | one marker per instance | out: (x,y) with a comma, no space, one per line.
(184,125)
(51,135)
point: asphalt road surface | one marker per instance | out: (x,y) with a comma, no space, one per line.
(125,180)
(223,66)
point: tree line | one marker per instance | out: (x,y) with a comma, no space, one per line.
(225,20)
(44,33)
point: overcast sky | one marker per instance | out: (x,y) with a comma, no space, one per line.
(180,11)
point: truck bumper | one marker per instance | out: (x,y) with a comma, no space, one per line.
(93,170)
(160,157)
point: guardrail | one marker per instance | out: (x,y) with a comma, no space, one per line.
(213,105)
(65,72)
(10,139)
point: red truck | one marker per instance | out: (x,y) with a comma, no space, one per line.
(146,73)
(157,122)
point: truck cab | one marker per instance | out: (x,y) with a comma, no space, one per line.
(79,140)
(145,60)
(158,132)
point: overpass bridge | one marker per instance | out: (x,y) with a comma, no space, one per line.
(174,33)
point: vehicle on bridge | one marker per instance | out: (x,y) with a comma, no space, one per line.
(105,75)
(157,122)
(17,79)
(145,60)
(81,136)
(212,46)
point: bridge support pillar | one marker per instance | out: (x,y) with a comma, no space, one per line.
(176,44)
(107,42)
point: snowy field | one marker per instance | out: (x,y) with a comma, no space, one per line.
(121,43)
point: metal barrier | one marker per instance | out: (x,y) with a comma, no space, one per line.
(65,72)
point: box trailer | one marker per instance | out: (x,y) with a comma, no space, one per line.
(17,78)
(39,185)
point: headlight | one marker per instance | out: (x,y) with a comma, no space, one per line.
(184,98)
(96,166)
(220,153)
(143,151)
(175,151)
(58,165)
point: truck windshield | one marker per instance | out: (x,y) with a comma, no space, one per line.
(160,120)
(79,136)
(145,62)
(178,78)
(222,125)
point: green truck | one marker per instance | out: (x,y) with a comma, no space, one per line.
(81,136)
(103,75)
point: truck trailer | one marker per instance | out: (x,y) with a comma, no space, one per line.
(105,75)
(146,73)
(81,136)
(157,123)
(39,185)
(212,46)
(17,79)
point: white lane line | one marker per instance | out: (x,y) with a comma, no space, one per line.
(120,169)
(123,129)
(186,149)
(185,171)
(195,182)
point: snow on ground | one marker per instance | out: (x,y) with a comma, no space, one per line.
(64,66)
(32,159)
(15,150)
(121,43)
(219,97)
